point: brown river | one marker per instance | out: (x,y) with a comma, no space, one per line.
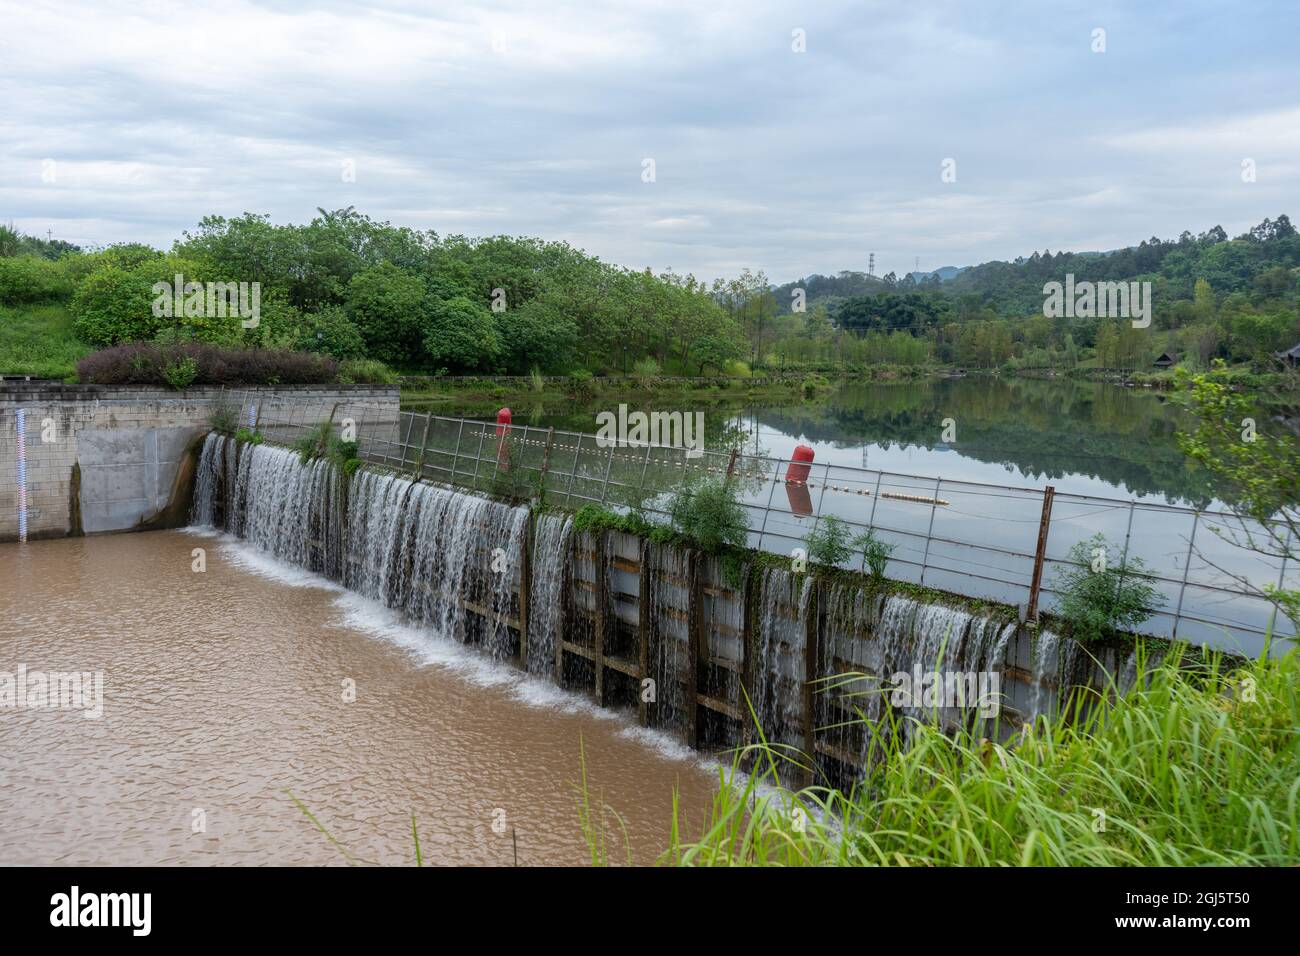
(232,695)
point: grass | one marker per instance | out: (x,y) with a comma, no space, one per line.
(1196,766)
(38,340)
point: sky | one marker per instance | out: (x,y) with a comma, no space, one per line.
(132,121)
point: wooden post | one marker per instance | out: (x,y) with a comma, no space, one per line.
(643,632)
(694,601)
(811,630)
(424,446)
(1044,523)
(546,458)
(602,596)
(525,585)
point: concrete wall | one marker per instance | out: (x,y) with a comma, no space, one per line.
(104,458)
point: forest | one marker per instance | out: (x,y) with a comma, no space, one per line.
(379,296)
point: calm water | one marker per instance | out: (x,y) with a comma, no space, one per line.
(223,692)
(1082,437)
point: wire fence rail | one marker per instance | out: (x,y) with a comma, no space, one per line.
(1000,543)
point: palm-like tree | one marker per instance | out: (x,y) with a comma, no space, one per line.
(10,240)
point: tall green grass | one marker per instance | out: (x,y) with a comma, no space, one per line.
(1197,765)
(38,340)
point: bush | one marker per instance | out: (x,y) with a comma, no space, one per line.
(224,417)
(646,370)
(707,513)
(181,373)
(248,436)
(874,552)
(366,372)
(331,331)
(147,363)
(828,542)
(32,279)
(1097,598)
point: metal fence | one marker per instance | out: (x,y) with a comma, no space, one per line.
(996,542)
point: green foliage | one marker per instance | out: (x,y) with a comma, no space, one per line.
(224,417)
(386,305)
(26,279)
(875,553)
(1254,467)
(646,370)
(39,340)
(248,436)
(181,373)
(366,372)
(1184,769)
(828,542)
(707,514)
(331,331)
(459,333)
(1098,598)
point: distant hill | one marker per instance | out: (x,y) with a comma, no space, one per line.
(943,272)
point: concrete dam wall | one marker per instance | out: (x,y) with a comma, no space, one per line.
(100,458)
(703,648)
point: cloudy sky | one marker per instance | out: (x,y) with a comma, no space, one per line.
(131,121)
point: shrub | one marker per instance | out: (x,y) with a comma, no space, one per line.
(828,542)
(1099,599)
(181,373)
(32,279)
(366,372)
(248,436)
(224,417)
(874,552)
(331,331)
(646,370)
(707,513)
(146,363)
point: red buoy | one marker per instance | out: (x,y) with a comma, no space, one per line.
(800,465)
(503,446)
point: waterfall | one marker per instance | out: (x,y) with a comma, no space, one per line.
(207,478)
(1055,658)
(779,643)
(550,558)
(447,560)
(669,657)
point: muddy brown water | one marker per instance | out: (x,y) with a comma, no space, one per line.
(224,699)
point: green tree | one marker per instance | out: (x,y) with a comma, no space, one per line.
(459,334)
(387,306)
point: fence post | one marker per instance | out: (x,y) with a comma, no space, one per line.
(925,556)
(609,464)
(455,455)
(546,458)
(1031,609)
(1187,566)
(424,446)
(1281,580)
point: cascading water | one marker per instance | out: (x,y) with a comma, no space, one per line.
(446,560)
(669,659)
(1054,665)
(551,537)
(779,642)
